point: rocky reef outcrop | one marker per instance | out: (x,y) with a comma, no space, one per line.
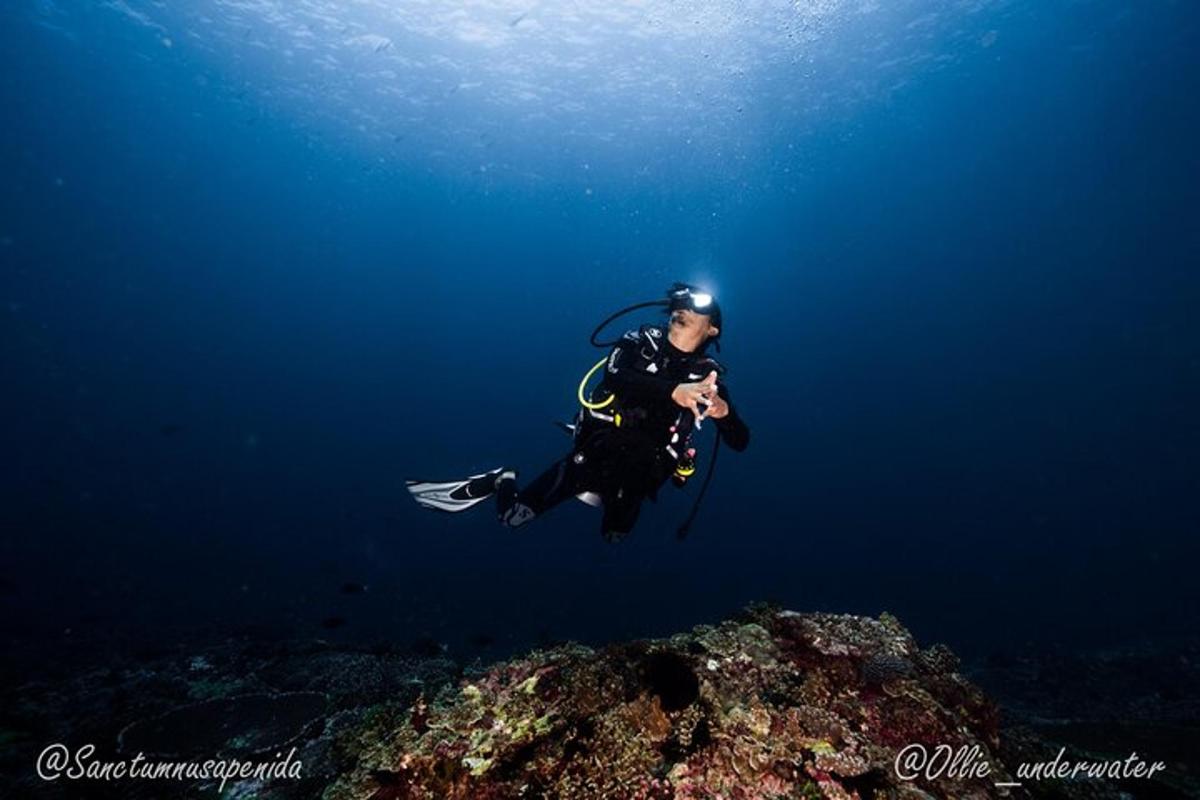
(768,705)
(773,704)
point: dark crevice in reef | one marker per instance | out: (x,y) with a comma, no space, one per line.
(670,677)
(577,744)
(675,749)
(873,783)
(515,765)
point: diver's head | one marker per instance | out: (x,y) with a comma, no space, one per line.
(695,318)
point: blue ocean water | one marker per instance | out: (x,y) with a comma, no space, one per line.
(263,261)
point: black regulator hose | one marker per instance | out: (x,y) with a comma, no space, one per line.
(622,313)
(682,532)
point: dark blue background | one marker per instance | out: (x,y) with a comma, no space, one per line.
(961,322)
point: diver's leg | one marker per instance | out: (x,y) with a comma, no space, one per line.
(516,507)
(621,510)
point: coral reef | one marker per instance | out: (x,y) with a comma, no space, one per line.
(769,705)
(774,704)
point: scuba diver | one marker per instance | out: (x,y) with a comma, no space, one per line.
(634,429)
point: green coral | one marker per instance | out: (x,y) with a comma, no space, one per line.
(477,765)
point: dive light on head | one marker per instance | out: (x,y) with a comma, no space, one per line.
(683,295)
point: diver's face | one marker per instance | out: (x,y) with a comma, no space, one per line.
(687,330)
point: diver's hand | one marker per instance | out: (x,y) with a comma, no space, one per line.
(717,407)
(691,395)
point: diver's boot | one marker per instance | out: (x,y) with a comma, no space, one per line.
(511,512)
(505,487)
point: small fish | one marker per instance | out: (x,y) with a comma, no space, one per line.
(349,587)
(330,623)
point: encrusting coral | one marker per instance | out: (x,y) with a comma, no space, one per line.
(771,705)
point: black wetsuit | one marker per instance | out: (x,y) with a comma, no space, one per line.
(625,451)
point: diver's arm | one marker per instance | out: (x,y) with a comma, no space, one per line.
(734,431)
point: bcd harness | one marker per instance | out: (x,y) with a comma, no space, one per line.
(608,410)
